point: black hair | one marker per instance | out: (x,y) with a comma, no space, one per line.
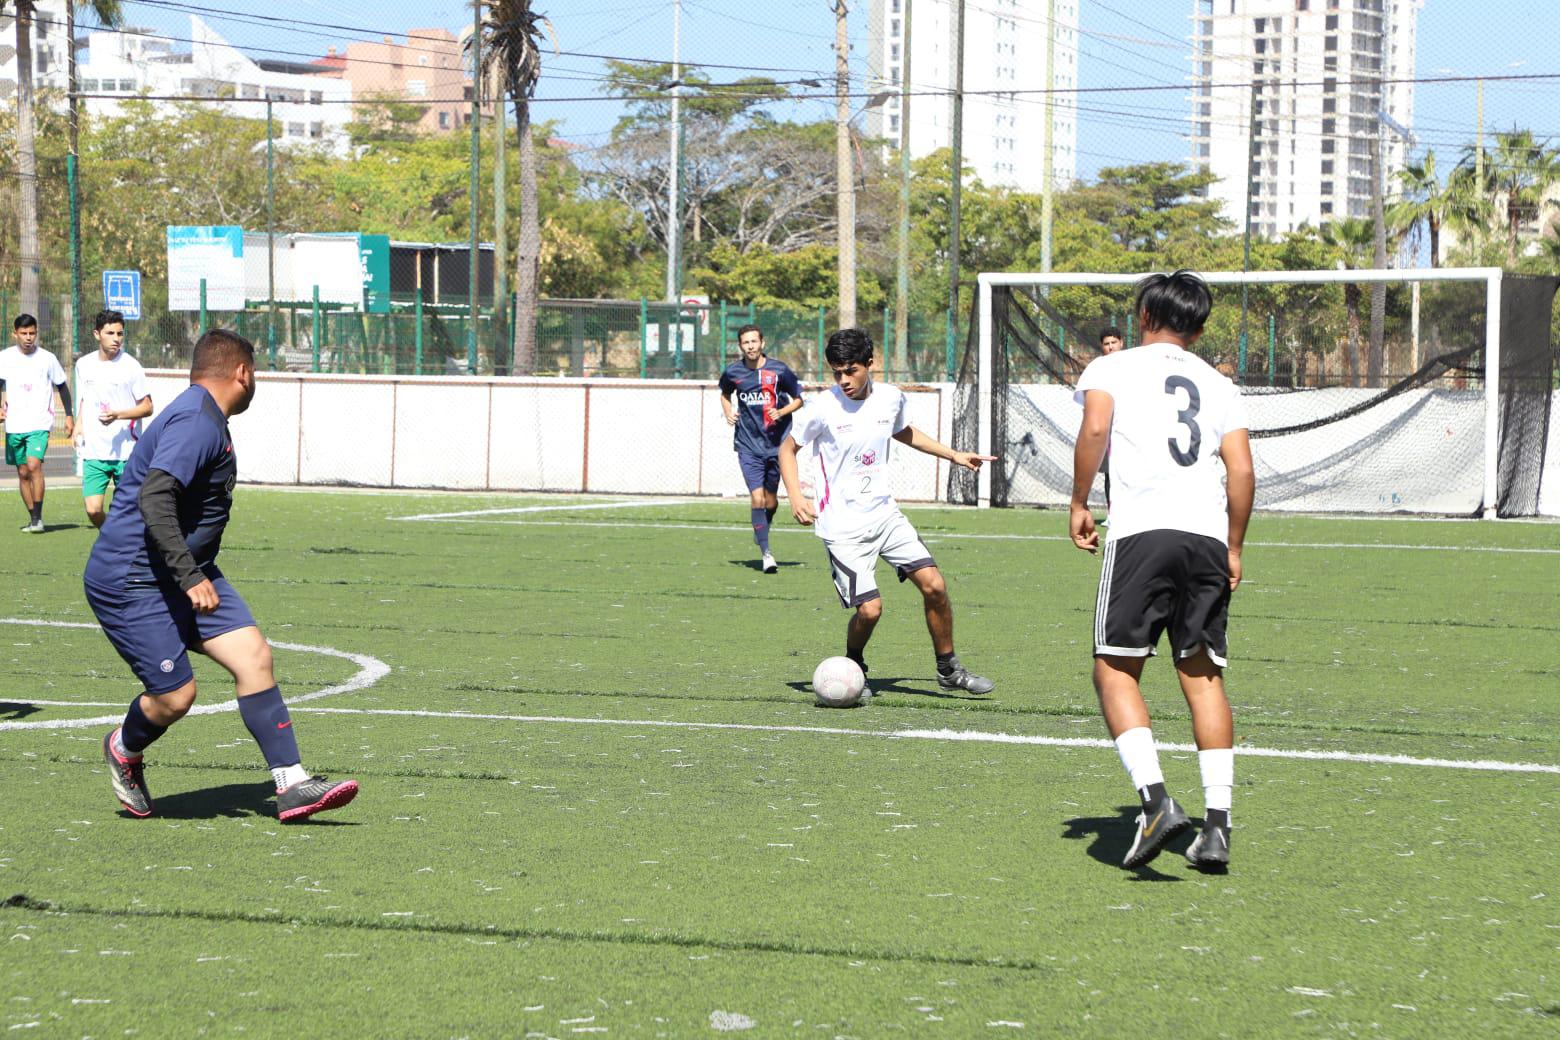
(1177,302)
(219,352)
(1107,333)
(25,321)
(107,318)
(744,330)
(849,347)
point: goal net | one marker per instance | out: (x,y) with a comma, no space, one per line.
(1415,391)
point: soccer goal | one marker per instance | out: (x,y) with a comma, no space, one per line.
(1379,391)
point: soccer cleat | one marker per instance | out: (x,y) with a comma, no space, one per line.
(1210,850)
(1155,826)
(316,794)
(34,527)
(961,678)
(128,779)
(770,567)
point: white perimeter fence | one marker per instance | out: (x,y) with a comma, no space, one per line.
(653,437)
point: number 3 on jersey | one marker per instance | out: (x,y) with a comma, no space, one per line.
(1187,417)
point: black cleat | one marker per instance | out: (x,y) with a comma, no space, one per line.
(1155,826)
(128,778)
(1210,850)
(316,794)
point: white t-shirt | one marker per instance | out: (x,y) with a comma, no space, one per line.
(1171,411)
(30,380)
(851,439)
(108,386)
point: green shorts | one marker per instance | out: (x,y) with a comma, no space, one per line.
(96,473)
(19,447)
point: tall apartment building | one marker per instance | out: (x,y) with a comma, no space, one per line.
(1285,103)
(48,47)
(1004,53)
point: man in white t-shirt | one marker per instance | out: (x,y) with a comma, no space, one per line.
(111,385)
(1182,494)
(849,429)
(29,378)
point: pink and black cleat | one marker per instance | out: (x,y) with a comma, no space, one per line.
(129,779)
(316,794)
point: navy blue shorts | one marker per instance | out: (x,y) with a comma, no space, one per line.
(154,629)
(760,471)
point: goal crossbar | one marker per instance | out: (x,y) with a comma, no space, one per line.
(1490,276)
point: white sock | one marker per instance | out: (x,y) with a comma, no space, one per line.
(118,745)
(1218,776)
(286,776)
(1140,757)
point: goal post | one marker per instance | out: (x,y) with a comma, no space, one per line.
(1326,431)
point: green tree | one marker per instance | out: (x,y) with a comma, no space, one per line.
(1353,243)
(1425,203)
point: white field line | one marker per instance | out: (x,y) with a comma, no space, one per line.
(941,536)
(976,736)
(615,504)
(370,670)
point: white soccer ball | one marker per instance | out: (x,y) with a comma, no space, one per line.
(838,683)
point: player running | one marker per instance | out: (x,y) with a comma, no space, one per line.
(849,428)
(1172,554)
(29,378)
(767,392)
(111,385)
(153,582)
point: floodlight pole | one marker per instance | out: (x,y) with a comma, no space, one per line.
(1047,173)
(1245,260)
(956,179)
(901,351)
(674,180)
(73,175)
(476,180)
(270,232)
(844,171)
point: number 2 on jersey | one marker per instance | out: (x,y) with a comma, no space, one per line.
(1187,417)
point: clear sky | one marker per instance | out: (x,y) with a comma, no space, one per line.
(1122,43)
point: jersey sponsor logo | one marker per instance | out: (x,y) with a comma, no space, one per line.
(867,457)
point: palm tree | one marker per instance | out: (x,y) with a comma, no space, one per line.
(1470,206)
(1353,240)
(511,34)
(1518,172)
(1424,202)
(25,11)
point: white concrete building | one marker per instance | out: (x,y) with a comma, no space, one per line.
(1004,54)
(1296,147)
(311,103)
(48,46)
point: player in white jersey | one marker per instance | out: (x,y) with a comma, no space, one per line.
(849,429)
(111,385)
(1182,493)
(29,378)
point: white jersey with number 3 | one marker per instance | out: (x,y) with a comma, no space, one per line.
(1171,411)
(852,440)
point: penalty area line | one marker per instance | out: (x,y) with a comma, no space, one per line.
(952,735)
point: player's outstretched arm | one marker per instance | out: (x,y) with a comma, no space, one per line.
(801,507)
(1240,492)
(937,449)
(1088,453)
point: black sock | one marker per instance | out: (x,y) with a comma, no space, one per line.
(37,511)
(1217,818)
(946,663)
(861,661)
(1152,795)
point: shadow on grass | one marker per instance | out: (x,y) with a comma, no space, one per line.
(758,565)
(233,801)
(13,710)
(900,684)
(1112,837)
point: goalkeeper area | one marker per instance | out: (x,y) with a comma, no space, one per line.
(1420,391)
(597,798)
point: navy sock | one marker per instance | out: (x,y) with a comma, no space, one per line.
(265,714)
(770,514)
(761,529)
(138,732)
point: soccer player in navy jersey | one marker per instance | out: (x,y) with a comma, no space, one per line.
(152,581)
(766,393)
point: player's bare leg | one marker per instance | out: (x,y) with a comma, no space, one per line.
(27,486)
(1126,718)
(247,656)
(1213,727)
(859,631)
(95,511)
(951,675)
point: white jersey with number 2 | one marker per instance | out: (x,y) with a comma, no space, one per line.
(851,439)
(1171,411)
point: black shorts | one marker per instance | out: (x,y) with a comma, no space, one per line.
(1158,580)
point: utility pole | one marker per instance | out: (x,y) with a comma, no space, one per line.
(844,169)
(674,188)
(476,182)
(270,232)
(72,180)
(500,229)
(1378,290)
(1047,174)
(1245,263)
(956,184)
(902,294)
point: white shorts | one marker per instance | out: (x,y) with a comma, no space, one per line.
(854,562)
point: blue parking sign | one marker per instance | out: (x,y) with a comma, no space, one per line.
(122,293)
